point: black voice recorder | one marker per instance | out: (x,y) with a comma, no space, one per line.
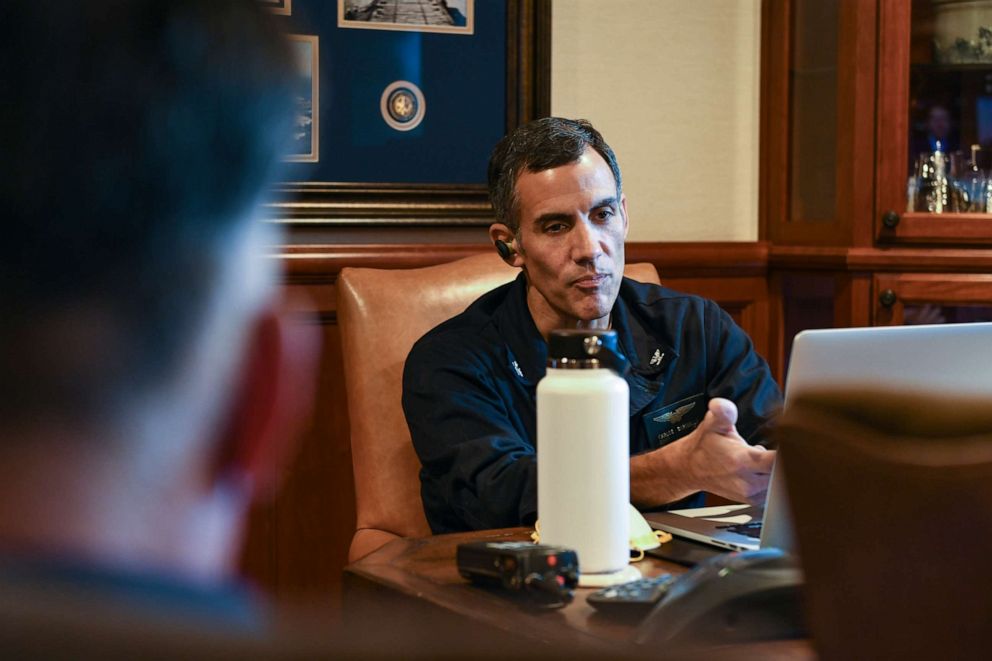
(546,573)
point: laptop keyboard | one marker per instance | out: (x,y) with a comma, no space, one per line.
(749,529)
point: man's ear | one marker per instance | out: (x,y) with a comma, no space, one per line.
(623,209)
(498,232)
(273,399)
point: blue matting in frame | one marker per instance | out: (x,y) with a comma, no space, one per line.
(463,80)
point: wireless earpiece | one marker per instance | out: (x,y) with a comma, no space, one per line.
(504,249)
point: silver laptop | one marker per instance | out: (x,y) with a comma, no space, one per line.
(948,359)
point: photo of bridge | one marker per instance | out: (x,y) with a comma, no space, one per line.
(420,15)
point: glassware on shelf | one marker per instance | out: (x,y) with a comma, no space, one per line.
(933,187)
(911,185)
(949,105)
(949,183)
(974,183)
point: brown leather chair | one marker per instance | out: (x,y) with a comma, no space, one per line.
(381,314)
(892,502)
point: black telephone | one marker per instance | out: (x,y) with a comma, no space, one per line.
(734,597)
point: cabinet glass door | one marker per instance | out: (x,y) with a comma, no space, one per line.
(950,106)
(935,121)
(932,298)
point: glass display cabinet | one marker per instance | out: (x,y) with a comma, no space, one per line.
(935,122)
(876,164)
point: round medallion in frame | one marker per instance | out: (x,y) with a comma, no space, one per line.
(402,105)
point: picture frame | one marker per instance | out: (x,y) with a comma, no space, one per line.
(278,7)
(366,15)
(357,185)
(306,129)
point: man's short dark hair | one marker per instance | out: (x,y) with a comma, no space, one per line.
(136,136)
(537,146)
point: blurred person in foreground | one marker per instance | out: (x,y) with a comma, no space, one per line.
(150,387)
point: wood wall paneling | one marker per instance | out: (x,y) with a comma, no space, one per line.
(744,298)
(852,306)
(805,300)
(293,548)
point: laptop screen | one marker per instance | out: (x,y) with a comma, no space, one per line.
(944,359)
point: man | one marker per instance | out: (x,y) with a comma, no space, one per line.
(469,384)
(150,387)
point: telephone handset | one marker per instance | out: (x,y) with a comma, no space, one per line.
(734,597)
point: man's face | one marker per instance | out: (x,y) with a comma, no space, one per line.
(572,229)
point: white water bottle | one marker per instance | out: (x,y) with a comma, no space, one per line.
(583,461)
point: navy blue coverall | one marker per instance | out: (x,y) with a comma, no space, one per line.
(469,388)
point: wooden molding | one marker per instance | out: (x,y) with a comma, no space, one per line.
(322,263)
(323,204)
(856,121)
(880,259)
(773,192)
(892,126)
(710,258)
(966,229)
(528,79)
(808,257)
(932,260)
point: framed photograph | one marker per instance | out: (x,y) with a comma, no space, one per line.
(452,16)
(396,126)
(306,127)
(280,7)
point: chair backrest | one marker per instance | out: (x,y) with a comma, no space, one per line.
(892,502)
(381,314)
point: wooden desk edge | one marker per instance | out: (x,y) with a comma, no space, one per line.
(385,570)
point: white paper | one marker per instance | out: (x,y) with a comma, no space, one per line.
(708,512)
(740,518)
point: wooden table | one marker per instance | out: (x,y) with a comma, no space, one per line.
(410,589)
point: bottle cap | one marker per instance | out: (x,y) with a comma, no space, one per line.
(585,349)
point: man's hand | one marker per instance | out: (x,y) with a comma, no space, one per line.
(721,462)
(713,457)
